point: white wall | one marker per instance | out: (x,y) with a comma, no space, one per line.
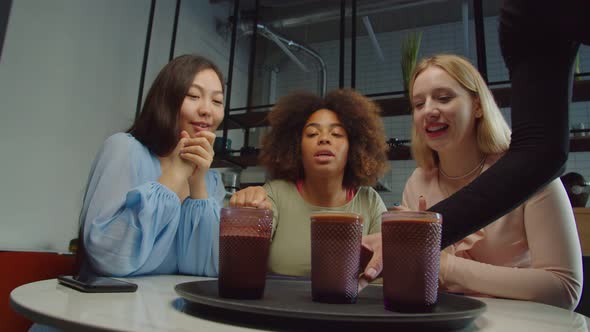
(69,78)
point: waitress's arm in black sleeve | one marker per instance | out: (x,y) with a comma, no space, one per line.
(539,40)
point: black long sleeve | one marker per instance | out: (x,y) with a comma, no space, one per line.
(539,40)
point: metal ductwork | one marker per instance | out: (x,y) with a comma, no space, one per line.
(286,45)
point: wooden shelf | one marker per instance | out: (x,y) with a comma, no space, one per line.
(393,106)
(581,92)
(248,160)
(580,144)
(248,120)
(400,152)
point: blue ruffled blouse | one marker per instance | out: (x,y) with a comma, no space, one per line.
(134,225)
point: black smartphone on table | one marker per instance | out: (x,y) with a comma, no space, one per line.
(97,284)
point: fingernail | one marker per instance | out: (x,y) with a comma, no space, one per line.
(362,284)
(371,272)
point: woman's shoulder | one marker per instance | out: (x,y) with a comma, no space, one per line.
(124,143)
(423,176)
(366,191)
(369,195)
(282,192)
(280,185)
(122,140)
(553,188)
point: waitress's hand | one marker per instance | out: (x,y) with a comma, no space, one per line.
(374,242)
(421,206)
(375,266)
(198,151)
(444,257)
(254,196)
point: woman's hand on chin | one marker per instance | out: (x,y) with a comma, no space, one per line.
(199,152)
(176,170)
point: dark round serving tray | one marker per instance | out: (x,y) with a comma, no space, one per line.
(292,299)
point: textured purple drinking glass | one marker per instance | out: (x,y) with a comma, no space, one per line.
(411,260)
(244,241)
(335,256)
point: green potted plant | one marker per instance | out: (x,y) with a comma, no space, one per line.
(409,56)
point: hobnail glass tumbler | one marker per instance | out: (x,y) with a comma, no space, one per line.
(335,256)
(244,241)
(411,259)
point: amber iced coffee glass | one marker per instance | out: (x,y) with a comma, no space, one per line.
(244,240)
(335,256)
(411,260)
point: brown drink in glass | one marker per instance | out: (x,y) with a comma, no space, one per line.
(244,241)
(335,256)
(411,260)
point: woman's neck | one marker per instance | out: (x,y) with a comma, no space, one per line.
(462,166)
(324,191)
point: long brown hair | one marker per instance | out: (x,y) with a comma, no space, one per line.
(157,125)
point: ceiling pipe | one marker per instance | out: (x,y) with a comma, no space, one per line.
(287,45)
(373,38)
(273,37)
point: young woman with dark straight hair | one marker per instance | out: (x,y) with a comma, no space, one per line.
(152,204)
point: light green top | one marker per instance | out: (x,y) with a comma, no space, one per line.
(290,250)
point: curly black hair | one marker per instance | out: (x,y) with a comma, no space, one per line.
(360,116)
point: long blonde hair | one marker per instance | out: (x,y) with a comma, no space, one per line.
(493,133)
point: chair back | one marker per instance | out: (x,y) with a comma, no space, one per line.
(584,305)
(22,267)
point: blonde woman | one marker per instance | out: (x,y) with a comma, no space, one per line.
(531,253)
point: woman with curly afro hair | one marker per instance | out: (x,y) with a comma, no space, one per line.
(322,154)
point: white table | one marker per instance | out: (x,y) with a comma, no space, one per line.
(155,307)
